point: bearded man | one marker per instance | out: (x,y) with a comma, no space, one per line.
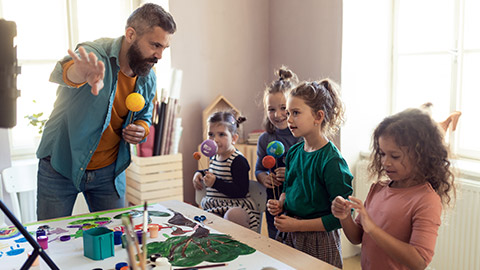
(85,145)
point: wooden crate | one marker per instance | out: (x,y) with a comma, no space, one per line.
(155,179)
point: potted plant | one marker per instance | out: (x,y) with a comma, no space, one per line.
(37,120)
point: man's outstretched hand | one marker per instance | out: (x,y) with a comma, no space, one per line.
(86,68)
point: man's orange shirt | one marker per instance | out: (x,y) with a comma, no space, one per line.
(107,150)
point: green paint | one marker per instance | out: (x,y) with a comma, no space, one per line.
(138,213)
(165,235)
(90,220)
(82,216)
(188,251)
(119,216)
(78,233)
(158,214)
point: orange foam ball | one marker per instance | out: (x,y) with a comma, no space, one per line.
(197,155)
(135,102)
(268,162)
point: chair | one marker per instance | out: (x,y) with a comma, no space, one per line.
(257,192)
(19,178)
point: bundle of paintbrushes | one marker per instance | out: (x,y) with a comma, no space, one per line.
(132,241)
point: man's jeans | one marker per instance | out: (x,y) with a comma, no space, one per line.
(56,194)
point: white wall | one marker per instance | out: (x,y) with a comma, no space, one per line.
(5,160)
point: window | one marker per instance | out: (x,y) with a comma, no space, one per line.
(436,58)
(406,53)
(44,38)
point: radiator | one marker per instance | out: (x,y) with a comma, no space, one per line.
(361,181)
(458,242)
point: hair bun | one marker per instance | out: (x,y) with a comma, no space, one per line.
(241,119)
(284,73)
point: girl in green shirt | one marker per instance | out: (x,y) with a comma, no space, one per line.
(315,173)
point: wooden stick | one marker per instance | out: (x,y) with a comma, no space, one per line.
(273,186)
(144,236)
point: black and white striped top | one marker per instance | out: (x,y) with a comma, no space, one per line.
(231,188)
(231,177)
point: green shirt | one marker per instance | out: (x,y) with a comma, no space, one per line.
(313,180)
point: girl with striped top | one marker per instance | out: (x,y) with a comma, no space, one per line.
(227,181)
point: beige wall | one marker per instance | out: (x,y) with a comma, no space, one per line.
(307,36)
(232,48)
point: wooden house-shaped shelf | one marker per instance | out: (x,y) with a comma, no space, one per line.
(219,104)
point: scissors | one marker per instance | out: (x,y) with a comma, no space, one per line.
(200,219)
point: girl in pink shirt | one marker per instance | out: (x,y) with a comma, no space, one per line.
(397,226)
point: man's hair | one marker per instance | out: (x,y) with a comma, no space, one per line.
(144,18)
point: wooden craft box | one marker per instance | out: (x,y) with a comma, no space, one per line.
(154,179)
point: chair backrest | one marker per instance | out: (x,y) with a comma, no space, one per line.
(199,194)
(20,178)
(258,193)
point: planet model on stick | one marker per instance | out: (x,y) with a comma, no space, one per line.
(197,155)
(275,149)
(268,162)
(208,148)
(135,102)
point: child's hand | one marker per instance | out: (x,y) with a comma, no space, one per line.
(209,179)
(341,208)
(280,176)
(367,223)
(198,181)
(274,207)
(285,223)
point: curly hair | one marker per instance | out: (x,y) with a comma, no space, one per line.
(325,96)
(421,135)
(285,82)
(227,118)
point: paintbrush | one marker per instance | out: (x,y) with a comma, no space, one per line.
(129,243)
(144,234)
(135,239)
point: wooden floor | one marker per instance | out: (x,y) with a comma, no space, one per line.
(352,263)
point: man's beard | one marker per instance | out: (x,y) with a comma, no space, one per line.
(139,65)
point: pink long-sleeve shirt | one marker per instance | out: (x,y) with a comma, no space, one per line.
(411,215)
